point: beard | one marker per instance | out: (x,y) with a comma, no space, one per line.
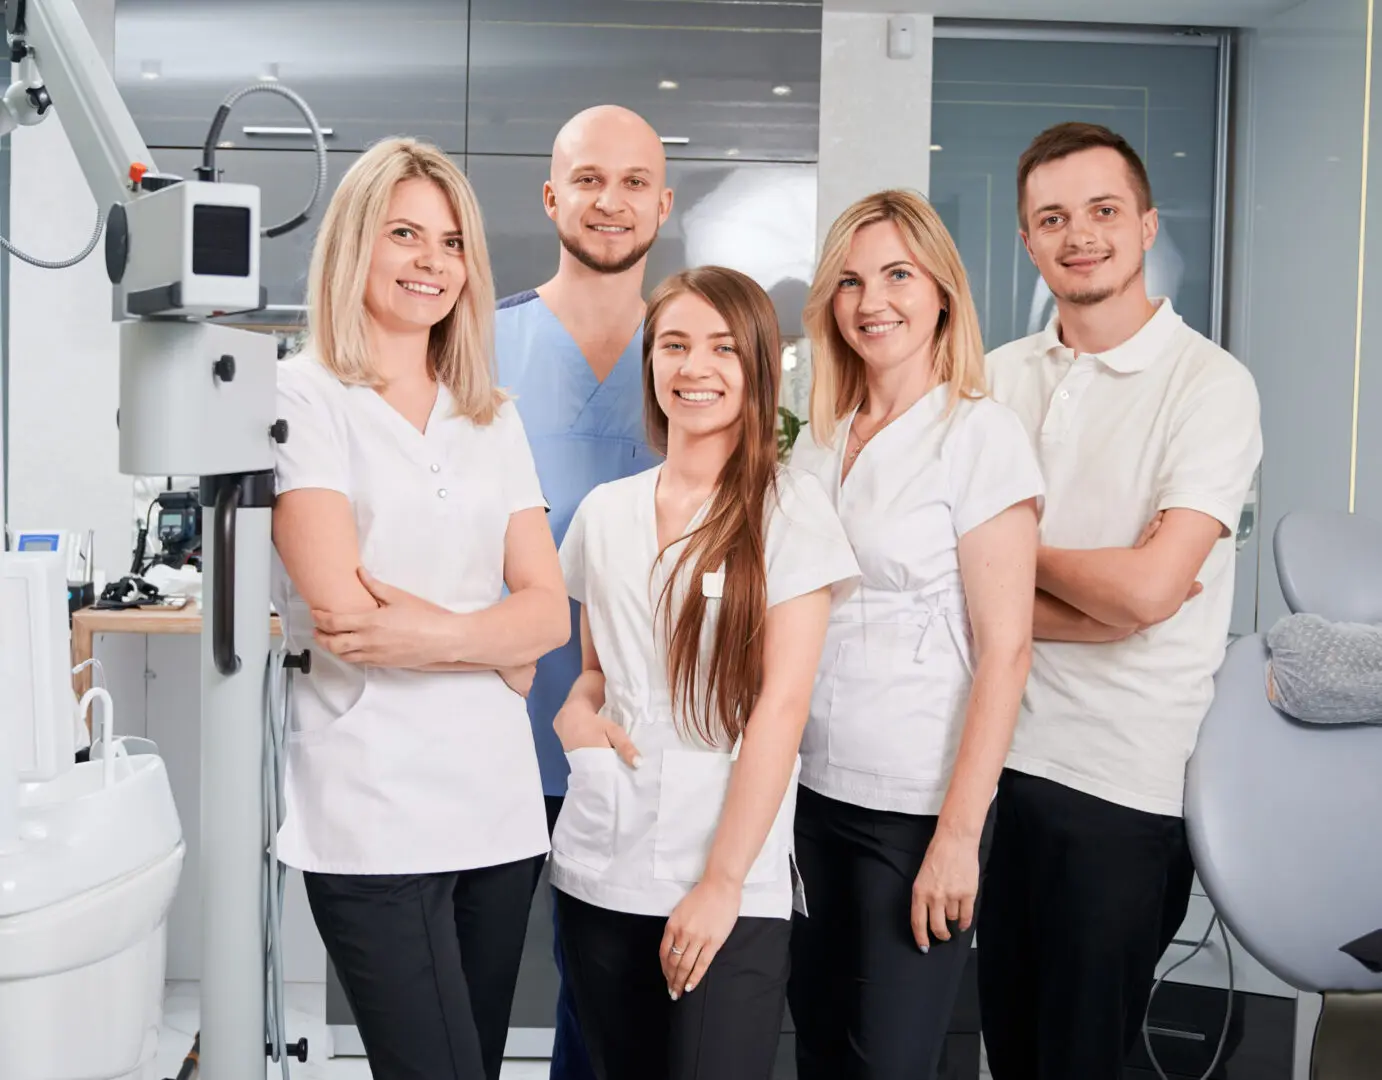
(594,262)
(1090,297)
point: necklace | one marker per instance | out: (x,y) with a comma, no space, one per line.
(862,443)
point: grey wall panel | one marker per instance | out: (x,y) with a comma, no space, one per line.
(754,217)
(1294,282)
(534,63)
(369,70)
(1369,456)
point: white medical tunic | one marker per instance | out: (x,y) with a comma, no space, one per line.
(392,771)
(889,704)
(636,840)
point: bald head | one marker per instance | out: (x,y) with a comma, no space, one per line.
(608,191)
(610,136)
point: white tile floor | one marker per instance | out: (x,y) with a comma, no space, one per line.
(306,1017)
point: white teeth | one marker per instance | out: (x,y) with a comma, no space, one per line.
(698,395)
(879,328)
(609,228)
(418,287)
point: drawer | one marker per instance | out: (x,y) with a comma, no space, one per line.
(1209,967)
(1185,1024)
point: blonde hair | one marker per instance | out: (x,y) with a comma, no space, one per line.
(461,350)
(957,349)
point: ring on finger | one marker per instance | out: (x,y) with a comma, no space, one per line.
(676,951)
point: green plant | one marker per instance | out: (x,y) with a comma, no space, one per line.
(789,426)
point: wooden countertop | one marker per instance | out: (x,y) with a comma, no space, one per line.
(141,620)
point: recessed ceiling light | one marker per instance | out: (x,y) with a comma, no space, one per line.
(936,148)
(667,84)
(1179,153)
(782,90)
(733,151)
(150,69)
(269,74)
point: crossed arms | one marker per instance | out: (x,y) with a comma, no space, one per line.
(1108,594)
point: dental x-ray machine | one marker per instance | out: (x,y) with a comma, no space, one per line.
(196,398)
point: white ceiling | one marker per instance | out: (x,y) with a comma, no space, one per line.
(1147,12)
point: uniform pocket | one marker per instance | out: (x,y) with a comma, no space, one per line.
(584,832)
(693,788)
(896,707)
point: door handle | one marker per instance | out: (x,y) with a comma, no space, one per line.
(1176,1033)
(253,129)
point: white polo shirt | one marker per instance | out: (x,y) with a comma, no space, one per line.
(636,840)
(392,771)
(895,677)
(1165,420)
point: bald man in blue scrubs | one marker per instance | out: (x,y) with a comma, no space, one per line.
(571,353)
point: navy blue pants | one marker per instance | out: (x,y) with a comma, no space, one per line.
(569,1058)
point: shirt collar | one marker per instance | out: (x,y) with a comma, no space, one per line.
(1135,354)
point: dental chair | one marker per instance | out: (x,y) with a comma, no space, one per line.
(1285,818)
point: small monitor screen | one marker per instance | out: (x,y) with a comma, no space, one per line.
(221,240)
(47,542)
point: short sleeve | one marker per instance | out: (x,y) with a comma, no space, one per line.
(1213,449)
(992,466)
(522,489)
(806,546)
(314,454)
(572,552)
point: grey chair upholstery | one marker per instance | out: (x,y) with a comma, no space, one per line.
(1285,818)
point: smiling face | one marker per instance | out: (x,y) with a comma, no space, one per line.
(886,306)
(1084,226)
(607,194)
(697,373)
(417,268)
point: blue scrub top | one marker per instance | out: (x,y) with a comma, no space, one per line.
(583,433)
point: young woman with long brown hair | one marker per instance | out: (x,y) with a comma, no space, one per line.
(706,585)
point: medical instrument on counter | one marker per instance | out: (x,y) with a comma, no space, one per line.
(77,550)
(179,532)
(196,399)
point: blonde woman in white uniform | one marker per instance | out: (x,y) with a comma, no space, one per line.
(705,585)
(407,501)
(923,668)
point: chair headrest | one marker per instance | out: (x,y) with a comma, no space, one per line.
(1330,564)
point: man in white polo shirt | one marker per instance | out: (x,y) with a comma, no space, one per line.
(1148,436)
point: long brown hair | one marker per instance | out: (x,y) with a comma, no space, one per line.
(957,348)
(731,536)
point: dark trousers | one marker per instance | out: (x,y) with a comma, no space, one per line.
(866,1002)
(569,1059)
(428,963)
(1084,897)
(726,1029)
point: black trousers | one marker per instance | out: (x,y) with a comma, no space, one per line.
(866,1002)
(428,963)
(726,1029)
(1084,897)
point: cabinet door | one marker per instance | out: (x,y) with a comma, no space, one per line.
(754,217)
(368,70)
(720,79)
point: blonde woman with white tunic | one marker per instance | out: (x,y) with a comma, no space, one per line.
(407,502)
(939,491)
(705,587)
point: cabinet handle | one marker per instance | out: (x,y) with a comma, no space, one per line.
(254,130)
(1175,1033)
(674,140)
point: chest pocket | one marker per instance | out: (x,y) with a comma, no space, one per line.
(895,696)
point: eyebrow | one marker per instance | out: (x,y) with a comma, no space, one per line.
(419,228)
(1051,207)
(847,272)
(683,334)
(637,170)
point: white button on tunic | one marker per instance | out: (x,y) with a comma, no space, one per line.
(890,701)
(392,771)
(637,840)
